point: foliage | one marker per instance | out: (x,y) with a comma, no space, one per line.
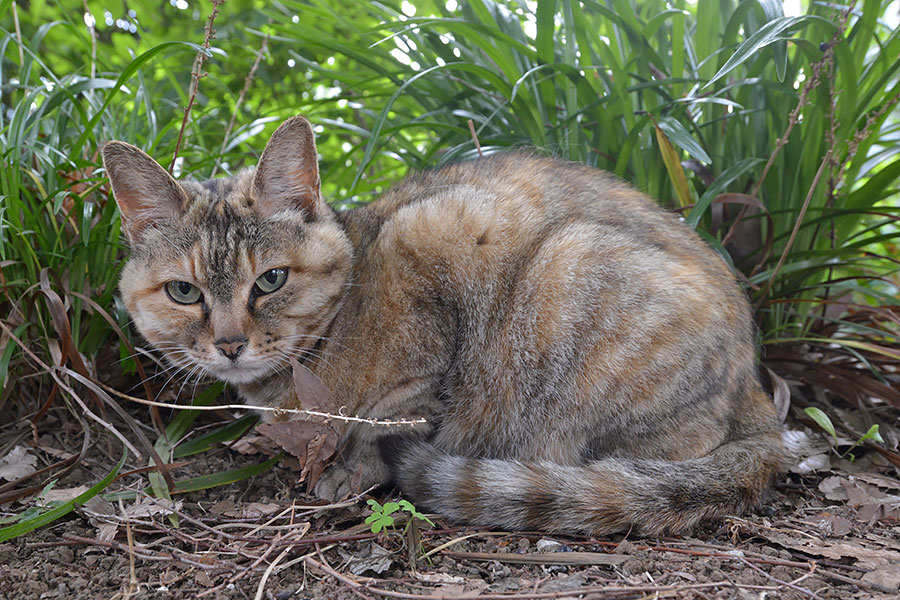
(776,136)
(381,514)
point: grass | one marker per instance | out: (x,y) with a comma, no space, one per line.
(776,136)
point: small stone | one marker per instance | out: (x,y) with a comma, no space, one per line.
(625,547)
(545,545)
(888,577)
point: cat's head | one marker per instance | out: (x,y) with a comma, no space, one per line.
(231,276)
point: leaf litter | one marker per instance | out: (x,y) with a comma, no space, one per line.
(830,530)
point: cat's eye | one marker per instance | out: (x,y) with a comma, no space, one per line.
(183,292)
(270,281)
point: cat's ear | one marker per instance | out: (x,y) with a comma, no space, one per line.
(287,176)
(144,191)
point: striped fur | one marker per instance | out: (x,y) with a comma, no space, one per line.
(584,361)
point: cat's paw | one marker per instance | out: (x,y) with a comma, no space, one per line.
(336,483)
(340,481)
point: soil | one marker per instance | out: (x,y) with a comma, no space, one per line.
(830,534)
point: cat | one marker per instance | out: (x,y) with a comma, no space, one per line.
(585,363)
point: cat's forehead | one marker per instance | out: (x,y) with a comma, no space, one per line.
(219,230)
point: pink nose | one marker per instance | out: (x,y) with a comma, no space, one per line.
(232,348)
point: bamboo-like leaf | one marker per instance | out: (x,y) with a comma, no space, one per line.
(772,32)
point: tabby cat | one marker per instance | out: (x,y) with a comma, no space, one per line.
(584,362)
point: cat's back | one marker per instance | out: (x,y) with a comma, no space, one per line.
(475,220)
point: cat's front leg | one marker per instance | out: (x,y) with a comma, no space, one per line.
(360,465)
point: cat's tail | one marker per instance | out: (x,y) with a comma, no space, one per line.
(605,496)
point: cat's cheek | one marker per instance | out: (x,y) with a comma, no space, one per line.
(159,321)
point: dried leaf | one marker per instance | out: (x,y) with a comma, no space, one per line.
(866,557)
(311,392)
(157,506)
(313,444)
(17,464)
(252,510)
(832,525)
(372,558)
(871,503)
(781,394)
(62,494)
(888,577)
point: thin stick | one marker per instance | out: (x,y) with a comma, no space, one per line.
(475,138)
(275,410)
(540,595)
(248,80)
(93,33)
(796,230)
(15,13)
(196,75)
(798,588)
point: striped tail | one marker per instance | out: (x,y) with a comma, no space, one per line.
(609,495)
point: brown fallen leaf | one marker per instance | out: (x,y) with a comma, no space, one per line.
(870,502)
(867,557)
(313,444)
(17,463)
(311,392)
(832,525)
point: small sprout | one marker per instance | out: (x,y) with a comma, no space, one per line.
(381,515)
(825,423)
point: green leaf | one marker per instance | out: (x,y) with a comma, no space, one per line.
(63,509)
(682,138)
(822,419)
(204,482)
(872,434)
(720,185)
(774,31)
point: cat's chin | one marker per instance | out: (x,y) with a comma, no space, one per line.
(240,374)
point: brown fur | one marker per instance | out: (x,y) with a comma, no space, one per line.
(585,362)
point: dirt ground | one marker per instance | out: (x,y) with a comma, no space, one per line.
(832,533)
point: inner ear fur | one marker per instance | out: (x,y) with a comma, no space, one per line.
(287,176)
(144,191)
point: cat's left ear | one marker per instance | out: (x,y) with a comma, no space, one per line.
(287,176)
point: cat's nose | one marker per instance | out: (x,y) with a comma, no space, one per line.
(231,348)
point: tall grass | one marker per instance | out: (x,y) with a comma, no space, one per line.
(789,122)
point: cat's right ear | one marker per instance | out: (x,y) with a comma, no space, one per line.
(144,191)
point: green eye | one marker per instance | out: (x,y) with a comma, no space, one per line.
(183,292)
(271,280)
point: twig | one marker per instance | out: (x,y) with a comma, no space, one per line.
(798,588)
(606,590)
(794,117)
(475,138)
(248,80)
(787,247)
(92,30)
(196,75)
(275,410)
(271,568)
(15,13)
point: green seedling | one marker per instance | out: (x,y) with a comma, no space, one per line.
(381,518)
(823,421)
